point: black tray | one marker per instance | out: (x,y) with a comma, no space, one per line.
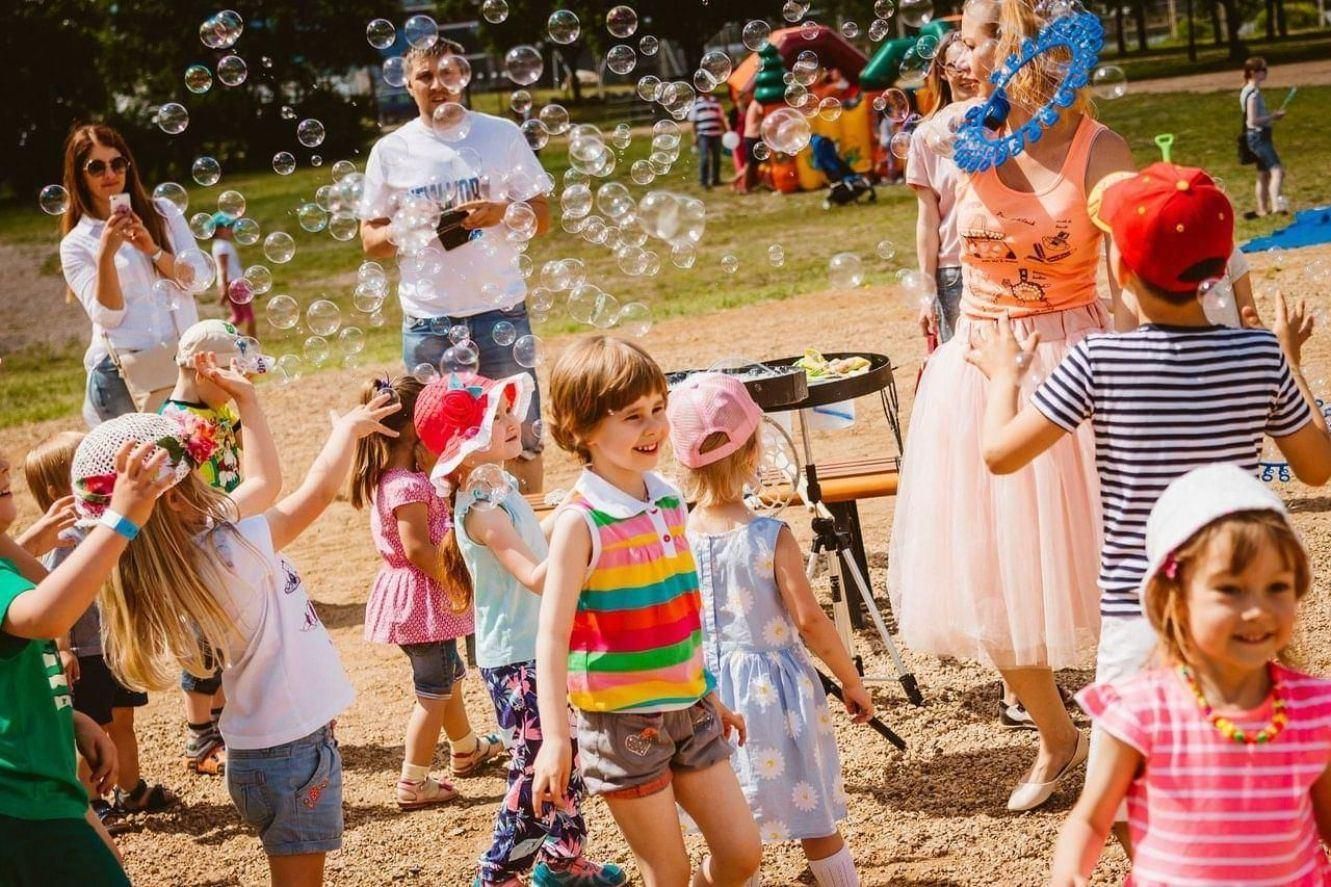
(876,378)
(771,393)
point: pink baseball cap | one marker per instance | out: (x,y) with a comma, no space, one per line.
(707,403)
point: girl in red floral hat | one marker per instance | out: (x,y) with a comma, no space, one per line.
(412,603)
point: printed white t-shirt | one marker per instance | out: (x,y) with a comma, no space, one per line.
(491,162)
(285,679)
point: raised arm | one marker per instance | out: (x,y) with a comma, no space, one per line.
(1308,449)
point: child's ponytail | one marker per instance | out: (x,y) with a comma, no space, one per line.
(374,451)
(453,574)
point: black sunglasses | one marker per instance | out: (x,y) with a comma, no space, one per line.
(97,167)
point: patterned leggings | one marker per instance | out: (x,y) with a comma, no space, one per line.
(519,834)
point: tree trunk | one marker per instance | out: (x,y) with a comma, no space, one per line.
(1270,20)
(1237,51)
(1281,26)
(1192,34)
(1119,33)
(1139,17)
(1217,34)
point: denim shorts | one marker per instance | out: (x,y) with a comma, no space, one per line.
(207,686)
(947,304)
(107,393)
(291,794)
(435,668)
(1262,145)
(425,339)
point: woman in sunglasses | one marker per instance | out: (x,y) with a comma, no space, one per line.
(113,252)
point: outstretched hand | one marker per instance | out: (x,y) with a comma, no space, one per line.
(1002,354)
(231,379)
(1293,327)
(364,419)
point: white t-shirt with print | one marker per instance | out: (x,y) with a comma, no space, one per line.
(285,679)
(491,162)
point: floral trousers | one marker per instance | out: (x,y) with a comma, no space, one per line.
(520,833)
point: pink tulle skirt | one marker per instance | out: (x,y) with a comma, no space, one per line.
(999,569)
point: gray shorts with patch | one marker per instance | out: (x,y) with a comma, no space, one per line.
(632,755)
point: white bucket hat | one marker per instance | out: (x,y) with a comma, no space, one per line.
(1196,499)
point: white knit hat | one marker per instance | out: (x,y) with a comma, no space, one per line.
(93,474)
(1196,499)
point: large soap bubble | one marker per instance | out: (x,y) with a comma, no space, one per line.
(786,130)
(421,31)
(845,271)
(621,21)
(198,79)
(523,64)
(54,200)
(756,34)
(621,58)
(310,133)
(380,33)
(222,29)
(172,118)
(563,26)
(916,13)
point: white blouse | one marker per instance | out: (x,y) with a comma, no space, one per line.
(145,320)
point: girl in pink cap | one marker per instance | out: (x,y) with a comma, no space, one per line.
(757,607)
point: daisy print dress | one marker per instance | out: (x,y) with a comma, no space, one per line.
(789,768)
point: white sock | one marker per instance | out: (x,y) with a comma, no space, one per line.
(464,746)
(415,772)
(837,870)
(756,880)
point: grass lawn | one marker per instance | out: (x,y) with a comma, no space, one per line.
(45,383)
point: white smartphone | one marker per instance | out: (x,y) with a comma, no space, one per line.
(120,203)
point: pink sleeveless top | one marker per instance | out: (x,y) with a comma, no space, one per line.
(1025,253)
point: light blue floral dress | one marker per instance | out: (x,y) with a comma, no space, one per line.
(789,768)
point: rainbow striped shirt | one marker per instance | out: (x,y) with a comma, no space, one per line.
(636,643)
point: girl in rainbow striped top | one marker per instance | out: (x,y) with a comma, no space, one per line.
(620,628)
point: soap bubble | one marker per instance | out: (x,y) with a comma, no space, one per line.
(343,225)
(717,65)
(395,71)
(786,130)
(683,255)
(895,104)
(621,58)
(451,122)
(290,369)
(342,169)
(926,46)
(582,301)
(520,101)
(367,299)
(576,201)
(425,373)
(455,72)
(523,65)
(494,11)
(776,255)
(198,79)
(279,247)
(323,317)
(621,21)
(563,26)
(240,291)
(283,312)
(170,193)
(172,118)
(729,264)
(380,33)
(884,8)
(622,136)
(195,271)
(886,250)
(284,163)
(635,319)
(649,87)
(845,271)
(761,151)
(421,31)
(316,350)
(1217,298)
(351,340)
(206,171)
(202,226)
(878,29)
(460,358)
(850,30)
(809,30)
(1109,82)
(648,45)
(555,118)
(794,10)
(614,199)
(642,173)
(829,108)
(222,29)
(310,133)
(487,486)
(804,71)
(899,145)
(245,231)
(504,333)
(232,71)
(232,203)
(536,134)
(311,217)
(260,278)
(755,34)
(917,13)
(520,220)
(54,200)
(527,352)
(912,70)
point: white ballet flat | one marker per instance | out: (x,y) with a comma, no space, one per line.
(1029,795)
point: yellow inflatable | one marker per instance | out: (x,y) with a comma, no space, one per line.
(853,133)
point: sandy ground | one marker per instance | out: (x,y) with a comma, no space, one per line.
(1313,73)
(931,816)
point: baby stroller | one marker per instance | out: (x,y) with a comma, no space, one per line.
(845,185)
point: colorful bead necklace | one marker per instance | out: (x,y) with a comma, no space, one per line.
(1228,728)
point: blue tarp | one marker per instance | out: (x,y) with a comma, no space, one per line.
(1310,227)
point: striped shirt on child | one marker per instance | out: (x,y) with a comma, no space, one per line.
(636,644)
(706,115)
(1206,810)
(1163,401)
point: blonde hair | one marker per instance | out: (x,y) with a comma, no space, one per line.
(159,609)
(724,480)
(1248,532)
(1035,84)
(47,465)
(593,378)
(433,52)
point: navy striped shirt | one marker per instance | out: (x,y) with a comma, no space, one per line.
(1162,401)
(706,116)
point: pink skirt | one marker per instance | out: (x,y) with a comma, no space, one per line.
(999,569)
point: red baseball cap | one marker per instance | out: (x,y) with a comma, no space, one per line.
(1166,220)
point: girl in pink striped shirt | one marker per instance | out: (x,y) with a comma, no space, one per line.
(1222,751)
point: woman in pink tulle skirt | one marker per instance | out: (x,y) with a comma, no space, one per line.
(1003,569)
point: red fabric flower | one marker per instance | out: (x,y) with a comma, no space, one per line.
(451,416)
(100,484)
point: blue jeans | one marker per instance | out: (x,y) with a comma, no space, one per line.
(106,392)
(947,304)
(425,339)
(291,793)
(709,160)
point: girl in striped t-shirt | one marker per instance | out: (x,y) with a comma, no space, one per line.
(620,632)
(1221,752)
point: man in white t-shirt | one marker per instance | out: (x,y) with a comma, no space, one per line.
(469,167)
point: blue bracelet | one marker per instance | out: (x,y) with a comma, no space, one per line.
(121,524)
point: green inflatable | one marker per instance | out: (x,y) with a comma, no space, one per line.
(770,84)
(881,72)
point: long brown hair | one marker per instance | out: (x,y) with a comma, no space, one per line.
(374,451)
(77,148)
(453,567)
(1165,599)
(936,93)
